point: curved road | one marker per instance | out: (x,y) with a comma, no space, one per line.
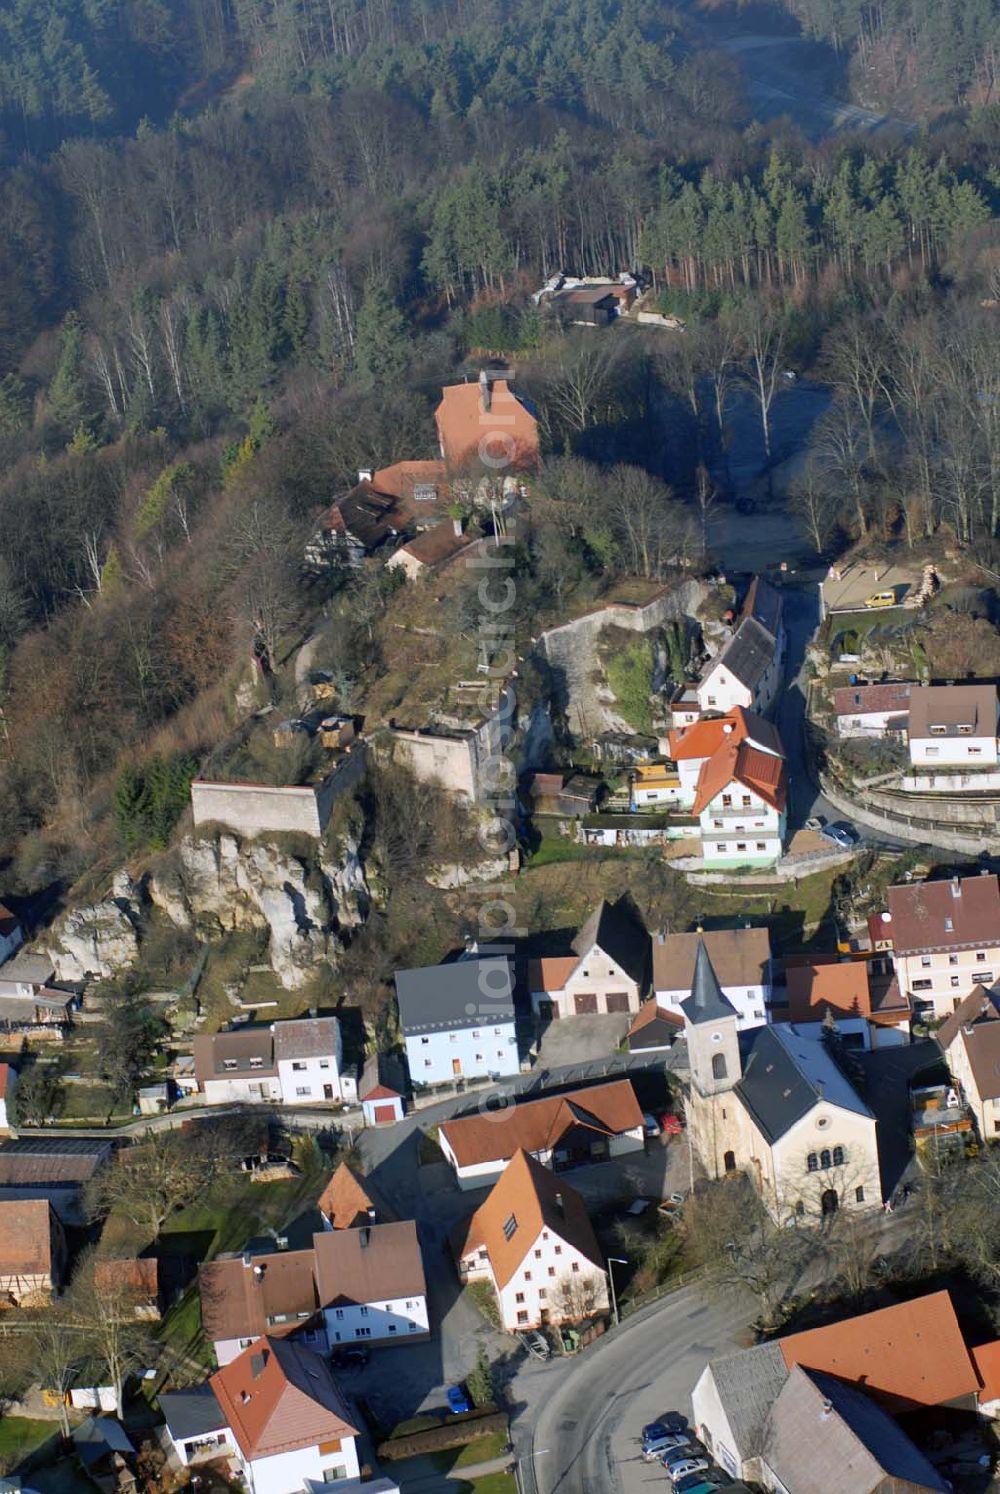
(581,1419)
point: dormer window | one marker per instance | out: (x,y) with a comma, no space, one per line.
(937,731)
(949,925)
(510,1227)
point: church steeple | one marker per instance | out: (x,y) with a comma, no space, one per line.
(710,1025)
(707,1002)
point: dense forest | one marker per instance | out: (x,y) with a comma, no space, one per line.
(243,242)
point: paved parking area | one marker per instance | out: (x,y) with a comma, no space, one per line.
(581,1039)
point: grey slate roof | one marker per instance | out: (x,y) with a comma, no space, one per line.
(826,1437)
(748,1383)
(785,1075)
(763,603)
(191,1413)
(707,1002)
(616,932)
(748,654)
(305,1037)
(466,993)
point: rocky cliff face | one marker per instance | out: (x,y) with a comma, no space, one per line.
(99,940)
(222,884)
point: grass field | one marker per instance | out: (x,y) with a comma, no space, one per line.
(19,1435)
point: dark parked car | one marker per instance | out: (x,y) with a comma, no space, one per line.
(670,1421)
(349,1358)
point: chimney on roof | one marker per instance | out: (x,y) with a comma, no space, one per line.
(956,887)
(967,1028)
(364,1236)
(258,1274)
(484,390)
(365,474)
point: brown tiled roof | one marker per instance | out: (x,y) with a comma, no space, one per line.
(744,764)
(551,972)
(986,1358)
(982,1045)
(305,1037)
(958,914)
(815,990)
(462,423)
(434,546)
(909,1355)
(890,1005)
(953,706)
(25,1237)
(401,478)
(537,1125)
(366,515)
(975,1007)
(5,1073)
(44,1163)
(536,1199)
(278,1397)
(347,1198)
(739,958)
(140,1273)
(860,700)
(650,1013)
(211,1050)
(241,1301)
(369,1264)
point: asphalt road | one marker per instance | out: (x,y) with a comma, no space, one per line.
(580,1420)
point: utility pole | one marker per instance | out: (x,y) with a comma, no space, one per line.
(615,1260)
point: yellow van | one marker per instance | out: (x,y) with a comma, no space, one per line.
(882,599)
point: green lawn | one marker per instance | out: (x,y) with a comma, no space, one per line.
(490,1483)
(481,1451)
(19,1435)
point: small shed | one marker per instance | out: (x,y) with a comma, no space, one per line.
(154,1099)
(382,1090)
(336,732)
(102,1445)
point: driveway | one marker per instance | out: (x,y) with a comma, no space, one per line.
(574,1040)
(579,1422)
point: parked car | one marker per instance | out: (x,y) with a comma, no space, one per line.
(844,836)
(650,1125)
(678,1455)
(696,1483)
(679,1471)
(349,1358)
(672,1125)
(670,1421)
(458,1399)
(653,1450)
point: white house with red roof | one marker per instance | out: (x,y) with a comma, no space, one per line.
(733,777)
(285,1418)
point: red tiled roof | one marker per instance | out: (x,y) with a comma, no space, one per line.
(957,914)
(551,972)
(508,427)
(860,700)
(401,478)
(5,1073)
(278,1397)
(912,1354)
(986,1358)
(537,1125)
(25,1237)
(741,763)
(815,990)
(705,737)
(535,1199)
(651,1012)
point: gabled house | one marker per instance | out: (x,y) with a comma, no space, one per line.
(432,548)
(866,1009)
(607,972)
(579,1127)
(32,1251)
(748,668)
(486,423)
(296,1063)
(382,1090)
(355,526)
(776,1105)
(953,726)
(348,1201)
(52,1168)
(287,1419)
(872,710)
(28,998)
(843,1384)
(944,937)
(970,1042)
(11,933)
(532,1240)
(457,1020)
(741,959)
(733,778)
(365,1282)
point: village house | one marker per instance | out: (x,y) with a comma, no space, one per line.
(569,795)
(607,972)
(364,1282)
(953,726)
(348,1201)
(748,669)
(579,1127)
(382,1090)
(8,1088)
(532,1240)
(741,959)
(867,1009)
(433,548)
(287,1420)
(32,1252)
(899,1359)
(654,786)
(29,1002)
(777,1106)
(733,778)
(457,1020)
(355,526)
(486,423)
(11,933)
(52,1168)
(293,1063)
(871,710)
(969,1039)
(944,937)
